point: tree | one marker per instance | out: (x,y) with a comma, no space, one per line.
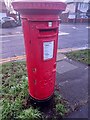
(9,6)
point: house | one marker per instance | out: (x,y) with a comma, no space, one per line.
(76,11)
(3,10)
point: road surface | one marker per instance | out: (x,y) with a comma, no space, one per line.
(70,36)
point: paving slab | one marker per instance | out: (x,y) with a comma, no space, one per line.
(72,80)
(60,56)
(81,113)
(64,66)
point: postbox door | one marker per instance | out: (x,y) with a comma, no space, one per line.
(46,65)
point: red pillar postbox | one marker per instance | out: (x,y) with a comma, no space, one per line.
(40,20)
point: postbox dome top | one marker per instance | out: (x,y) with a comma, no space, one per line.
(41,5)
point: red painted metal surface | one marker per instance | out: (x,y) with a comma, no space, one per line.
(40,25)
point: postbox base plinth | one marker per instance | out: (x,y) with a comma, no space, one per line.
(41,101)
(42,104)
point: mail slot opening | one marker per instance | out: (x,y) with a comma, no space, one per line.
(47,31)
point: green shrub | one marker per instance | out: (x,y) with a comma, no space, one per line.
(14,92)
(11,108)
(58,97)
(30,114)
(80,55)
(60,108)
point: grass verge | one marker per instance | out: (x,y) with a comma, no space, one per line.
(15,97)
(81,56)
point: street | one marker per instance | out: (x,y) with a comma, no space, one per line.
(70,36)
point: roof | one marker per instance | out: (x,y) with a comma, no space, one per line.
(85,1)
(38,0)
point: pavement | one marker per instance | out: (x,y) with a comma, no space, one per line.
(72,80)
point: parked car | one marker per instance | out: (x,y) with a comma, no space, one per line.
(18,22)
(7,22)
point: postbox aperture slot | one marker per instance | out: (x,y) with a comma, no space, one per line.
(46,32)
